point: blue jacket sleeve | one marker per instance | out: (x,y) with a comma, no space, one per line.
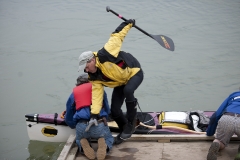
(212,125)
(70,111)
(105,111)
(105,103)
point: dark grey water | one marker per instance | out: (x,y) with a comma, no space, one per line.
(40,42)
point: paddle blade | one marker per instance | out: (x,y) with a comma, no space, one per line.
(164,41)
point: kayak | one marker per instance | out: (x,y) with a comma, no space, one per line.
(52,128)
(47,127)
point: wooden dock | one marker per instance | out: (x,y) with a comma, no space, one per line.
(70,149)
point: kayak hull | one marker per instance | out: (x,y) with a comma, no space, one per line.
(45,127)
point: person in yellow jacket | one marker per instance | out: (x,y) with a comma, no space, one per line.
(116,69)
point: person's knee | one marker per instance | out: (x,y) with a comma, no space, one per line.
(128,92)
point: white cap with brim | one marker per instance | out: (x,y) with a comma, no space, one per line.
(83,59)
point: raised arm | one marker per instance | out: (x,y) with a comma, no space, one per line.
(114,44)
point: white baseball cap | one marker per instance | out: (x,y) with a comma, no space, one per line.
(83,59)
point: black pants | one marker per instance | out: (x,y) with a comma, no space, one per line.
(126,91)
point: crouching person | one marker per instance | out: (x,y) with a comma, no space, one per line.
(78,115)
(226,120)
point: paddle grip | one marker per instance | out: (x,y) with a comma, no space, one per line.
(118,15)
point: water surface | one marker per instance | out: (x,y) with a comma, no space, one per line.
(40,42)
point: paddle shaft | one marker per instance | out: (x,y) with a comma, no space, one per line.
(118,15)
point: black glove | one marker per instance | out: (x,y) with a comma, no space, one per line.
(104,121)
(92,121)
(131,21)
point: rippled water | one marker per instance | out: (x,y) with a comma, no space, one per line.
(40,42)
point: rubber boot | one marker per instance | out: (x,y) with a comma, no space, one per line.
(213,151)
(129,128)
(121,121)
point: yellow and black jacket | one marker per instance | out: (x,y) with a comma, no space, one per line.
(114,67)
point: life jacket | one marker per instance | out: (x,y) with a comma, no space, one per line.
(83,95)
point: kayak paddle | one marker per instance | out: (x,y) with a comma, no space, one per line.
(164,41)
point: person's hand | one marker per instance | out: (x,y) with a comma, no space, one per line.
(104,121)
(93,121)
(131,21)
(63,114)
